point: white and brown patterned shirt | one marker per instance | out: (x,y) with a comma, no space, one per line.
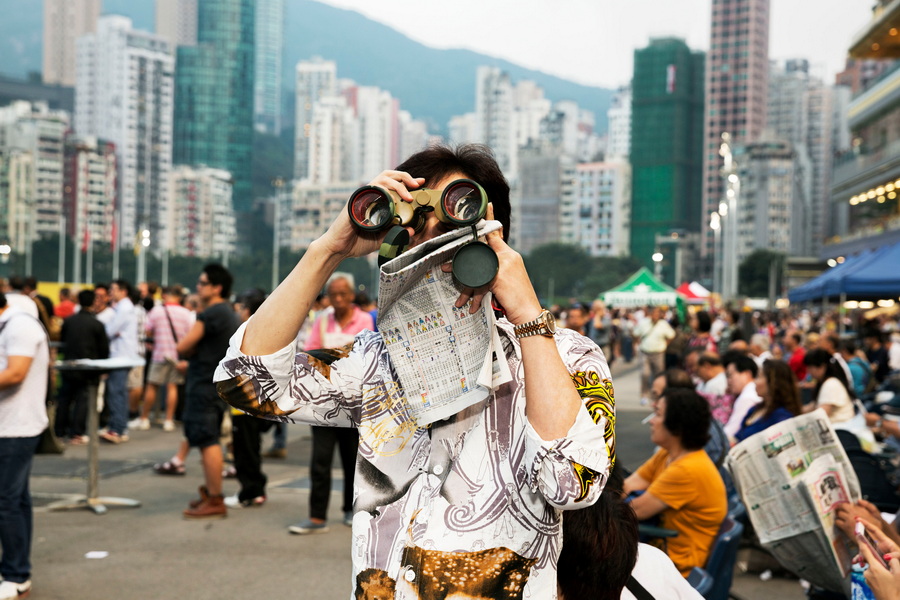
(469,505)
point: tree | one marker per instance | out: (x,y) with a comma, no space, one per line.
(754,272)
(558,270)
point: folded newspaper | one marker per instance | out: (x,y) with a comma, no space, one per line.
(791,477)
(443,355)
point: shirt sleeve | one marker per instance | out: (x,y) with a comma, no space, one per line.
(320,388)
(570,472)
(833,393)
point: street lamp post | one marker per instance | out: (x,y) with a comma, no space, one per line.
(715,223)
(277,183)
(143,245)
(657,264)
(728,210)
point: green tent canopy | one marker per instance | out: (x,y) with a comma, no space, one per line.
(643,289)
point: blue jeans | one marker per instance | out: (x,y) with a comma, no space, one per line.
(15,507)
(117,397)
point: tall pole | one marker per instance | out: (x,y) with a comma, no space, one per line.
(728,209)
(62,249)
(165,267)
(278,182)
(77,255)
(89,275)
(115,244)
(29,244)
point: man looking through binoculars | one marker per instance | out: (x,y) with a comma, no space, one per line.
(470,504)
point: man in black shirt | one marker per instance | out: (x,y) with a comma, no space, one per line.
(205,344)
(83,336)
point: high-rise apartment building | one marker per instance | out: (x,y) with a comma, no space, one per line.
(666,143)
(214,91)
(332,129)
(124,94)
(494,122)
(269,40)
(375,146)
(737,68)
(64,22)
(16,197)
(90,190)
(34,208)
(600,224)
(176,21)
(545,202)
(766,208)
(618,134)
(800,113)
(315,79)
(202,220)
(314,206)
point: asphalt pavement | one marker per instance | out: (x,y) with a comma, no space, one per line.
(151,552)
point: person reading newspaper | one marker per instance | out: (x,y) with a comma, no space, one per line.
(466,505)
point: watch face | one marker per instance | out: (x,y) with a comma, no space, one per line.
(549,321)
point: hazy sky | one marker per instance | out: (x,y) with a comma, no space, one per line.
(592,41)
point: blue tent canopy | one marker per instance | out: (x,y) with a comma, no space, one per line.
(871,274)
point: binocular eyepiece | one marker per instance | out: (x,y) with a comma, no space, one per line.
(462,203)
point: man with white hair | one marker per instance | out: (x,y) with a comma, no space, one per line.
(335,328)
(759,348)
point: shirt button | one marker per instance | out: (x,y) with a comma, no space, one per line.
(410,575)
(438,469)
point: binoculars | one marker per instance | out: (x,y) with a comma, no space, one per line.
(462,203)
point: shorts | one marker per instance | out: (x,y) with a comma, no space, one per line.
(162,373)
(202,417)
(135,378)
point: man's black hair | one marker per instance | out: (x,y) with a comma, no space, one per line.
(252,299)
(2,300)
(17,282)
(688,417)
(86,298)
(125,285)
(743,364)
(704,321)
(219,275)
(475,161)
(709,358)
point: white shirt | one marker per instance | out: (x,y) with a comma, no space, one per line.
(22,302)
(654,336)
(657,573)
(123,331)
(742,405)
(22,410)
(894,355)
(763,357)
(717,386)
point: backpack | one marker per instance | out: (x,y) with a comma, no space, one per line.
(877,476)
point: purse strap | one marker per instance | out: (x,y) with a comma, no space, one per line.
(639,591)
(171,326)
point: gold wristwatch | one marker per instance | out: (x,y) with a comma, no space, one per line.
(544,325)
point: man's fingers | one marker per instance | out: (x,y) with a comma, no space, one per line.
(476,302)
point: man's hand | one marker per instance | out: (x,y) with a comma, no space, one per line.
(511,287)
(345,240)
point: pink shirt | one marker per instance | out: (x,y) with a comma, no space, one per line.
(157,327)
(360,321)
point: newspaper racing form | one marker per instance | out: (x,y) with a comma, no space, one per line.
(791,477)
(443,355)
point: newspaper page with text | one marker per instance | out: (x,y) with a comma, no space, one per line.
(791,477)
(443,355)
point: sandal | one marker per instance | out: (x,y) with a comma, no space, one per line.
(169,468)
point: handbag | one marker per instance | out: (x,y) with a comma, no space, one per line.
(178,364)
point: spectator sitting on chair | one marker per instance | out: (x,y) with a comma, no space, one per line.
(833,393)
(680,482)
(777,387)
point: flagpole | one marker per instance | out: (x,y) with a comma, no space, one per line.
(89,277)
(77,257)
(115,245)
(61,278)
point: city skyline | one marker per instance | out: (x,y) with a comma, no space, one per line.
(508,31)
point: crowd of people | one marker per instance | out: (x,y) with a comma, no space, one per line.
(485,502)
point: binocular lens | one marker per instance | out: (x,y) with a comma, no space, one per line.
(464,203)
(371,209)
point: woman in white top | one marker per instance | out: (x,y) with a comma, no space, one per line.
(833,394)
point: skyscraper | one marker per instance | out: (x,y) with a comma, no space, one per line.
(124,94)
(214,92)
(737,68)
(316,79)
(618,135)
(64,22)
(269,39)
(176,21)
(666,143)
(494,123)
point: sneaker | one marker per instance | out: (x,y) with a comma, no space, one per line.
(112,437)
(79,440)
(139,424)
(229,472)
(275,453)
(307,526)
(236,502)
(348,518)
(169,426)
(169,468)
(211,507)
(10,590)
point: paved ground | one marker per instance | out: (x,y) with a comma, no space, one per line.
(151,553)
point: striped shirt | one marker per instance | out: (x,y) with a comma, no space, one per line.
(157,327)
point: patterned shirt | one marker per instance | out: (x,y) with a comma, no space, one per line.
(469,505)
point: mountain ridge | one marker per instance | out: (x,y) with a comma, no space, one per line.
(432,84)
